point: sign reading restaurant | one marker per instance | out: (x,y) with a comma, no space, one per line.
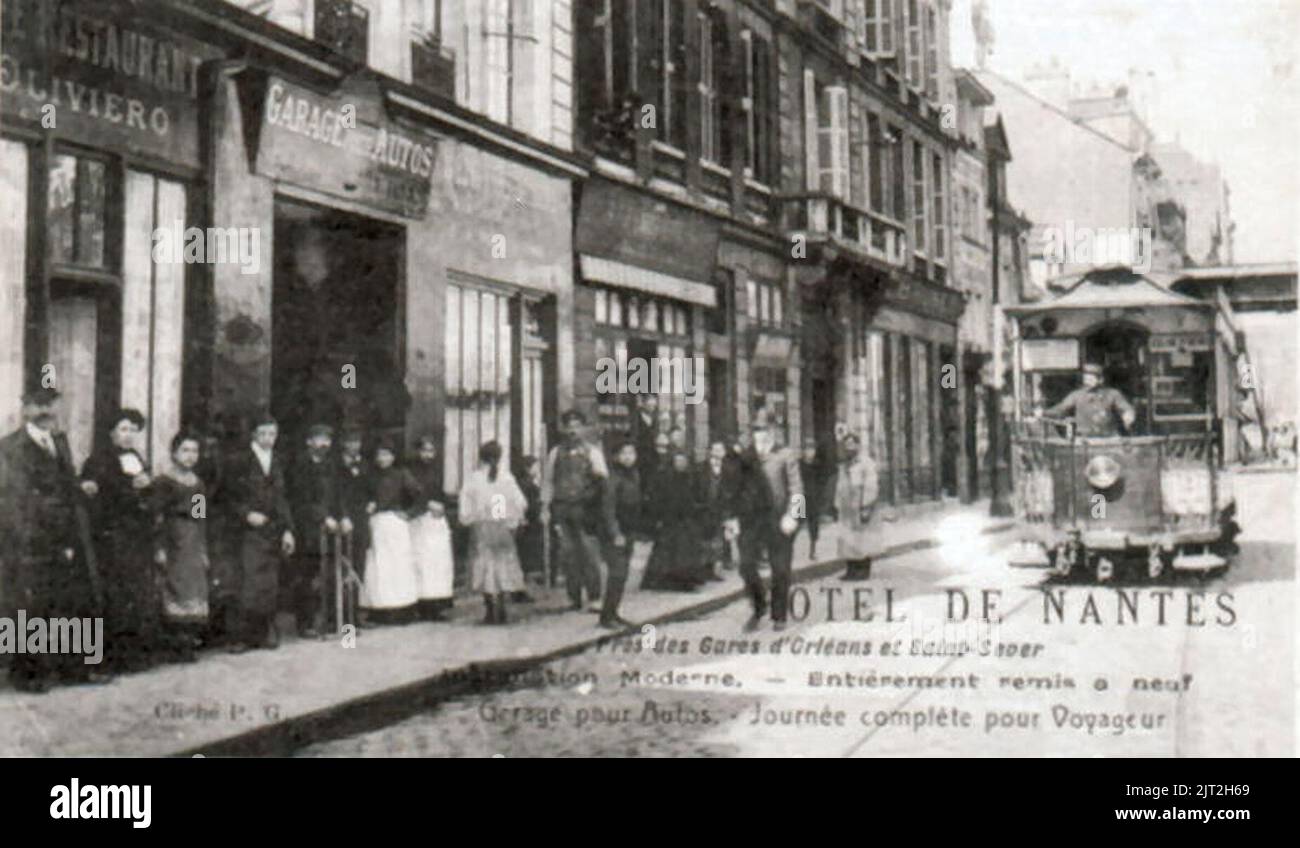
(73,68)
(322,143)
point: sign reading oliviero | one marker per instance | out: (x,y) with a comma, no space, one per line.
(327,143)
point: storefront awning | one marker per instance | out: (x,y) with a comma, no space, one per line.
(629,238)
(627,276)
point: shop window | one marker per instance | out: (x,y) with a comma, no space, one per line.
(478,362)
(77,211)
(766,303)
(768,394)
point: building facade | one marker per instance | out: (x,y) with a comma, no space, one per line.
(392,220)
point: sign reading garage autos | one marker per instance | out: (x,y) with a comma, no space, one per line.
(321,142)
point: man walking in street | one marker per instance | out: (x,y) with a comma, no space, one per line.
(773,504)
(572,491)
(622,510)
(48,561)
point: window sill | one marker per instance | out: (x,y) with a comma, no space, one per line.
(667,149)
(710,165)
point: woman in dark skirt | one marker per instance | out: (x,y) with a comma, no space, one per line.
(180,499)
(530,538)
(123,531)
(675,561)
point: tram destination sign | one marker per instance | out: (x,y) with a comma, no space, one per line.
(334,144)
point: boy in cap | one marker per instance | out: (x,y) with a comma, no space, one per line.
(572,492)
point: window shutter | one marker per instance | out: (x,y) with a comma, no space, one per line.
(595,85)
(810,129)
(725,86)
(649,62)
(746,141)
(860,160)
(838,97)
(767,101)
(914,46)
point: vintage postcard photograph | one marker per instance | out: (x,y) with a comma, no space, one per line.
(648,378)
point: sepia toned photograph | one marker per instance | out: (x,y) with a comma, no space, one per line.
(648,378)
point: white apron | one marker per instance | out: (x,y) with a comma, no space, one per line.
(431,553)
(390,576)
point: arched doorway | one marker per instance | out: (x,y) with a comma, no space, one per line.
(1121,350)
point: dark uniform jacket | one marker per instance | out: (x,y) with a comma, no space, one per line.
(770,484)
(42,520)
(313,497)
(622,501)
(247,489)
(1097,411)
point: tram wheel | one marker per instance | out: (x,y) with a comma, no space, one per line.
(1104,570)
(1155,565)
(1063,560)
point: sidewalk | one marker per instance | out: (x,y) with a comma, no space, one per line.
(269,702)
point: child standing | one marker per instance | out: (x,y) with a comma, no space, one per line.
(180,499)
(390,589)
(492,506)
(430,536)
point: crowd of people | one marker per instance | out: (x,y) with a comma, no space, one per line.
(211,549)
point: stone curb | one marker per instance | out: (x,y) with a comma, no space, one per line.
(388,706)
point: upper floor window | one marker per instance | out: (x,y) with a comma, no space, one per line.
(827,136)
(919,196)
(878,25)
(886,169)
(661,44)
(759,106)
(940,220)
(931,54)
(715,102)
(509,43)
(78,211)
(915,56)
(344,26)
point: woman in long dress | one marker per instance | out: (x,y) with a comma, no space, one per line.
(431,537)
(492,506)
(390,591)
(182,546)
(857,488)
(676,564)
(124,545)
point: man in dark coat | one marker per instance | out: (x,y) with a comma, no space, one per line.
(573,486)
(47,566)
(769,518)
(259,514)
(717,492)
(622,512)
(314,501)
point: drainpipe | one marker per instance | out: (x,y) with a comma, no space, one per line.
(999,503)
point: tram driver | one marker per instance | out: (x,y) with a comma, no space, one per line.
(1098,409)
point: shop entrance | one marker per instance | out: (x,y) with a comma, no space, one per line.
(337,350)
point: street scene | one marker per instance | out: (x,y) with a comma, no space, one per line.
(619,378)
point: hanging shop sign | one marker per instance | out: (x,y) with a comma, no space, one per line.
(345,148)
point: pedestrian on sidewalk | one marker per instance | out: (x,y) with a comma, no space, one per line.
(492,506)
(572,491)
(313,497)
(180,500)
(435,569)
(774,498)
(389,589)
(674,564)
(354,486)
(717,488)
(815,481)
(47,561)
(123,519)
(530,538)
(622,508)
(857,489)
(260,514)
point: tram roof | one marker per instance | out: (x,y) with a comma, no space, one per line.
(1113,287)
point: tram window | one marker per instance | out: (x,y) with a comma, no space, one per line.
(1182,383)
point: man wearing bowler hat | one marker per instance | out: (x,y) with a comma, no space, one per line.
(47,565)
(1098,409)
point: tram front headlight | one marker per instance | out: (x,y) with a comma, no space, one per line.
(1103,472)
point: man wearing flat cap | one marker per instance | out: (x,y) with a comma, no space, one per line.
(1098,409)
(573,490)
(47,566)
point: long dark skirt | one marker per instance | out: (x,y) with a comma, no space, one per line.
(132,596)
(676,562)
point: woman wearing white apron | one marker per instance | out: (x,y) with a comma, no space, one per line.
(492,506)
(857,487)
(390,590)
(431,537)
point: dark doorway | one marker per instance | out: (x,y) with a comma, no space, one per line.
(337,341)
